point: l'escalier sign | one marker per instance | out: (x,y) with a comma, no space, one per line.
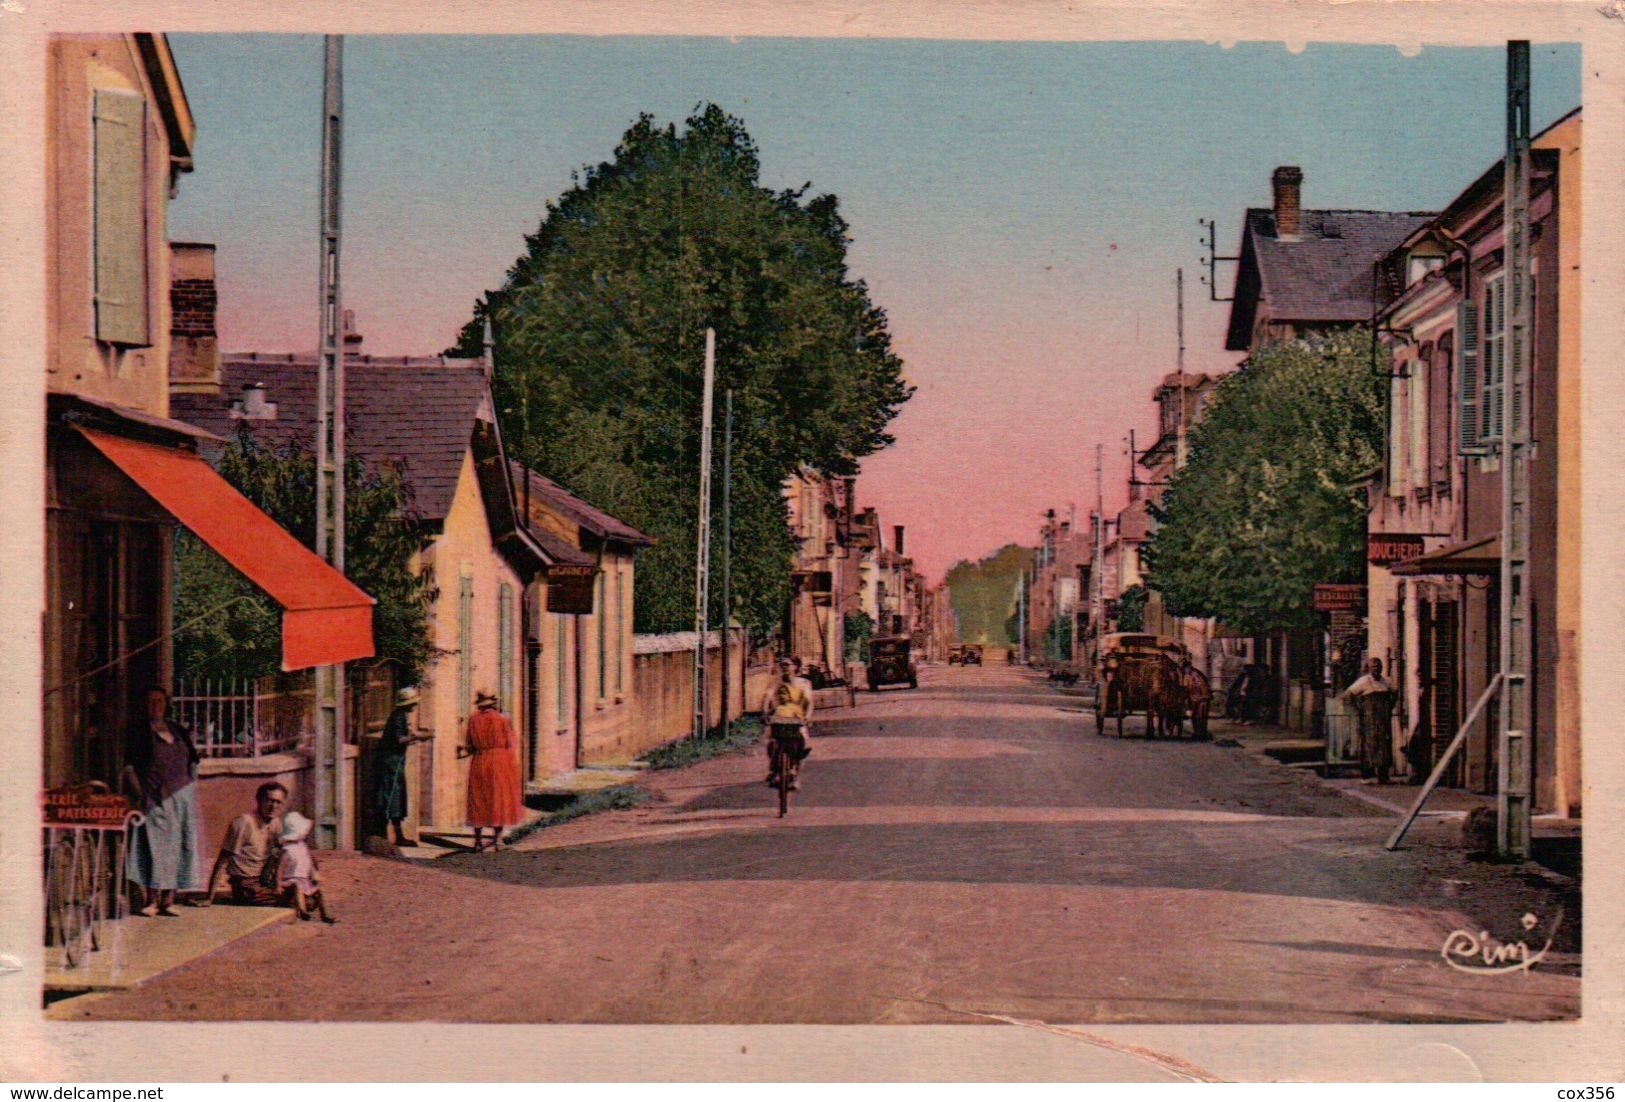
(1339,598)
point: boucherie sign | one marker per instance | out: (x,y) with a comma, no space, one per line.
(1389,548)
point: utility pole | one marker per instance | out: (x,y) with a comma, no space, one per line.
(727,550)
(702,561)
(1179,315)
(1021,619)
(330,792)
(1513,759)
(1097,598)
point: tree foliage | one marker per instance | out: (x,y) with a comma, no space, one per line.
(1131,608)
(1267,506)
(381,538)
(858,628)
(599,333)
(984,595)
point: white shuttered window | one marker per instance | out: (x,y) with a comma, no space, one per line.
(120,218)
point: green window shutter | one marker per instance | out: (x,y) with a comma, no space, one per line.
(465,651)
(1467,381)
(120,218)
(505,642)
(563,672)
(620,632)
(599,615)
(1396,436)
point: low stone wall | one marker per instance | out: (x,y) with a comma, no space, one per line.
(226,788)
(662,701)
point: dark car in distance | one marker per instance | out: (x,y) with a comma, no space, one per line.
(890,664)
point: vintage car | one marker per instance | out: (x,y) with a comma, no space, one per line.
(889,662)
(956,655)
(973,654)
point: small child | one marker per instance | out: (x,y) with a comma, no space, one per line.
(296,875)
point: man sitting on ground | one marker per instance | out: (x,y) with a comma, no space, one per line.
(250,846)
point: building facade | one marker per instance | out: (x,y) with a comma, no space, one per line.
(1435,510)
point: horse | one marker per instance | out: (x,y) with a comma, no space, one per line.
(1134,683)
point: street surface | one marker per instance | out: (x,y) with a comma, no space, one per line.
(960,853)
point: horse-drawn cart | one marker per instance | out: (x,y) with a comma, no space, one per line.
(1139,673)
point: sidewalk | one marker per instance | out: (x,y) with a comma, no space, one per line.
(1557,839)
(138,948)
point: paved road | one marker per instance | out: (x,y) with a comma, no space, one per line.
(964,852)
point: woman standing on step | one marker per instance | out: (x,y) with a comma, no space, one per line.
(494,800)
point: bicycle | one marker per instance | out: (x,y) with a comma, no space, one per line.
(789,746)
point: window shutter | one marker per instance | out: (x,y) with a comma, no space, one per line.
(465,650)
(120,218)
(505,642)
(1467,376)
(1495,360)
(1439,410)
(1396,436)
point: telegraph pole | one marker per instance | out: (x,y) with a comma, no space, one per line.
(330,792)
(1021,619)
(727,548)
(1515,751)
(702,562)
(1179,315)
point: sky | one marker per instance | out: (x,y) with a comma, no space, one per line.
(1018,209)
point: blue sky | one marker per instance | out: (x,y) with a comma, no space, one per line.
(1019,209)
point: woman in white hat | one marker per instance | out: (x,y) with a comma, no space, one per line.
(390,769)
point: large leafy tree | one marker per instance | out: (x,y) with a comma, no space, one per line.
(984,595)
(243,639)
(599,331)
(1267,506)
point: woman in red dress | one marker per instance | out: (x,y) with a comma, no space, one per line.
(494,800)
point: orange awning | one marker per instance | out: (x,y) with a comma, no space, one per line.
(326,619)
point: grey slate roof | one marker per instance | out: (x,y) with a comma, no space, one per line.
(415,414)
(1323,276)
(566,504)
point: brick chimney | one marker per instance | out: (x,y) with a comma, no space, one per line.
(1288,185)
(194,345)
(897,533)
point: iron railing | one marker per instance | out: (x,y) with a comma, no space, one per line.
(243,718)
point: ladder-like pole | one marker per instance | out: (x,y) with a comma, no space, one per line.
(330,792)
(702,564)
(1514,772)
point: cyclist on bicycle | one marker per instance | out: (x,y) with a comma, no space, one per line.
(789,704)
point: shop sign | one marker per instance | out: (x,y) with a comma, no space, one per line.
(1389,548)
(1339,598)
(569,589)
(76,807)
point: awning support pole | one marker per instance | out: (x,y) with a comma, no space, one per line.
(1444,760)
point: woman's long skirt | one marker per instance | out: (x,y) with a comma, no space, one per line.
(164,851)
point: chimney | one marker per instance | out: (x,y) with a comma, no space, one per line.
(897,533)
(1288,184)
(252,406)
(194,346)
(352,338)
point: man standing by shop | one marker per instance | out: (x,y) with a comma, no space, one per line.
(1373,697)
